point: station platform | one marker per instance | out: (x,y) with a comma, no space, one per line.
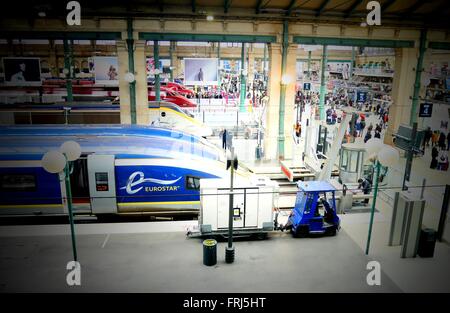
(155,261)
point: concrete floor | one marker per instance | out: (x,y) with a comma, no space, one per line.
(169,262)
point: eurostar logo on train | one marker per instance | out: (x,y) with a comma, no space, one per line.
(138,178)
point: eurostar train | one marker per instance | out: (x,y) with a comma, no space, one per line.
(170,115)
(162,114)
(122,169)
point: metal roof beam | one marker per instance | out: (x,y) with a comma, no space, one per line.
(62,35)
(322,7)
(206,37)
(353,42)
(387,4)
(290,7)
(414,7)
(226,6)
(353,7)
(258,6)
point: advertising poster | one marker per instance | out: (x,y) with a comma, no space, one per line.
(201,71)
(164,67)
(230,65)
(22,71)
(106,70)
(342,67)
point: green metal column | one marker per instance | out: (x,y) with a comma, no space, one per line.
(419,70)
(323,84)
(264,61)
(374,201)
(132,85)
(243,82)
(352,65)
(218,61)
(309,65)
(67,171)
(68,68)
(156,59)
(284,49)
(170,56)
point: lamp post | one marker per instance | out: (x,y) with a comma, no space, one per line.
(59,162)
(232,163)
(384,155)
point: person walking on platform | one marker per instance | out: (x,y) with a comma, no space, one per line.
(434,156)
(368,136)
(441,141)
(448,141)
(224,138)
(365,186)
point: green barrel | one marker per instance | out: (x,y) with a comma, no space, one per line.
(209,252)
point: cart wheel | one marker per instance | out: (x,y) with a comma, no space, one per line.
(331,231)
(302,231)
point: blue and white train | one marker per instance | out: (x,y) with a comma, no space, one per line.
(122,169)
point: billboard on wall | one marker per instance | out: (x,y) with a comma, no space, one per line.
(22,71)
(342,67)
(201,71)
(163,66)
(106,70)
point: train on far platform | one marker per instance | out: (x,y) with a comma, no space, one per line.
(123,169)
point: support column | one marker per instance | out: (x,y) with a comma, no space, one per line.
(273,105)
(419,70)
(142,112)
(52,59)
(264,61)
(402,90)
(352,64)
(284,50)
(156,60)
(289,104)
(251,64)
(171,50)
(124,88)
(140,85)
(309,65)
(132,85)
(243,82)
(323,86)
(68,68)
(218,63)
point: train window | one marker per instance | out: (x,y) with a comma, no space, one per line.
(17,182)
(192,182)
(101,181)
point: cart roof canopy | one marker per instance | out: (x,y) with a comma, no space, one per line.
(315,186)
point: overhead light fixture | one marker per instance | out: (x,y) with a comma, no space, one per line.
(42,14)
(210,18)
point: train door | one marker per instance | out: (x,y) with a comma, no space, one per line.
(102,186)
(79,183)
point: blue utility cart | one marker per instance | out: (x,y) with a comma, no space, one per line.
(305,218)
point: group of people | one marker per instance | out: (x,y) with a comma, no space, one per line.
(377,132)
(440,145)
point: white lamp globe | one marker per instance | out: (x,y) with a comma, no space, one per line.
(388,156)
(129,77)
(71,149)
(373,146)
(53,162)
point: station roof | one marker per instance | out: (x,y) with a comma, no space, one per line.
(316,185)
(430,13)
